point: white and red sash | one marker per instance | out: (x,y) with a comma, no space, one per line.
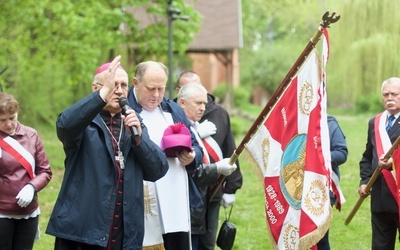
(16,150)
(206,158)
(383,145)
(215,152)
(213,149)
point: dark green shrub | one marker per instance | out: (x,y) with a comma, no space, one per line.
(241,95)
(237,126)
(369,103)
(219,92)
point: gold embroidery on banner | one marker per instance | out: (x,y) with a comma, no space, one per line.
(265,149)
(306,98)
(290,236)
(316,198)
(293,175)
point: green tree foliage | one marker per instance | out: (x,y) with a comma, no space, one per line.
(52,48)
(276,32)
(269,65)
(364,49)
(363,45)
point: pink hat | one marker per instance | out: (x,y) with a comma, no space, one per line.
(104,67)
(176,138)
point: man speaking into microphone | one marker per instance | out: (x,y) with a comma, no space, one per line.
(124,104)
(108,155)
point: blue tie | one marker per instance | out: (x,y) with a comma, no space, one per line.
(390,121)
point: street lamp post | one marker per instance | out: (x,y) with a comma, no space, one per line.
(173,14)
(1,72)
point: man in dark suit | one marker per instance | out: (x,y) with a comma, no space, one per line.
(215,130)
(383,130)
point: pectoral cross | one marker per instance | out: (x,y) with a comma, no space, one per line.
(120,158)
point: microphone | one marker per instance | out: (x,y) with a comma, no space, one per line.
(124,104)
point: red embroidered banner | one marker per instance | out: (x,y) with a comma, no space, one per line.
(291,153)
(396,168)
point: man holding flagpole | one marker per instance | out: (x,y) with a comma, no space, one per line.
(383,130)
(215,131)
(192,97)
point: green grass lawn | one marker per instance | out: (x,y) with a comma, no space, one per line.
(248,214)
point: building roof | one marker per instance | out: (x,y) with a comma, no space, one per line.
(221,28)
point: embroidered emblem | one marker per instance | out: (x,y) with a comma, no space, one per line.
(316,198)
(306,98)
(291,236)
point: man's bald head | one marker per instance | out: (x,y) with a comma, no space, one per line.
(187,77)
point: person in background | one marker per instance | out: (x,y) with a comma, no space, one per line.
(100,204)
(339,152)
(24,171)
(168,199)
(383,130)
(215,130)
(192,97)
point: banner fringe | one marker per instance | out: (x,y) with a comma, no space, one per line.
(308,241)
(249,158)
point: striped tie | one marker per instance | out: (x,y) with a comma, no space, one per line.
(390,123)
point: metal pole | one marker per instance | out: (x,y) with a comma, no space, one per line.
(170,50)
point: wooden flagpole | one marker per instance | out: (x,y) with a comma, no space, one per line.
(327,19)
(371,181)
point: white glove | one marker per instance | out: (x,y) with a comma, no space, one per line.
(206,128)
(223,167)
(227,200)
(25,196)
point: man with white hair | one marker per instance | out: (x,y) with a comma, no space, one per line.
(383,130)
(192,97)
(215,131)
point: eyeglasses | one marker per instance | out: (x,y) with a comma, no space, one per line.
(123,86)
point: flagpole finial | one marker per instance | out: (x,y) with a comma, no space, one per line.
(328,19)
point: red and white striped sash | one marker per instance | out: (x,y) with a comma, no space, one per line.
(215,152)
(213,149)
(16,150)
(383,145)
(206,159)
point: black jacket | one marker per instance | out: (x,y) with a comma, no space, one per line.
(206,176)
(225,139)
(216,114)
(382,199)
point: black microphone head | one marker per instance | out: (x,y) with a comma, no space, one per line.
(123,101)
